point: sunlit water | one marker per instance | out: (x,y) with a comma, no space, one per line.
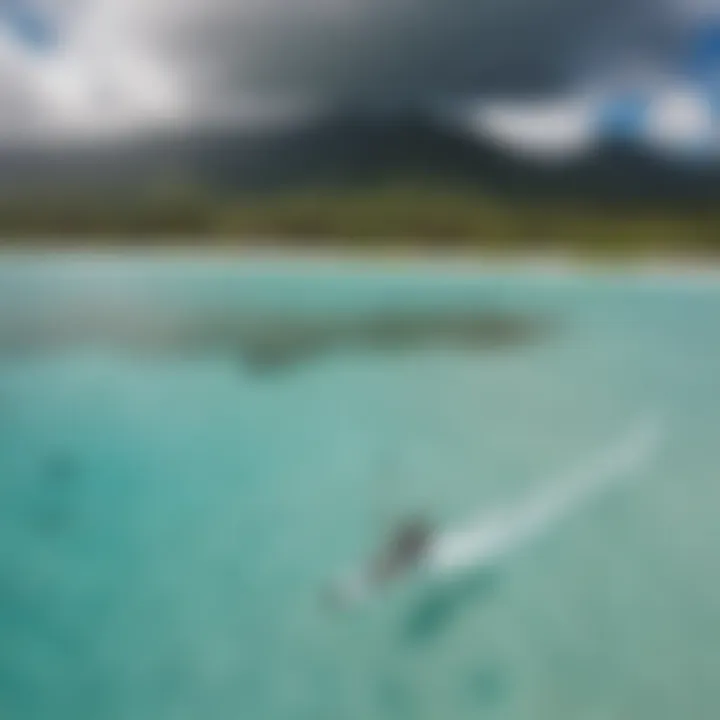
(169,521)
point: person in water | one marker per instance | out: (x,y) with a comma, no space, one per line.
(403,553)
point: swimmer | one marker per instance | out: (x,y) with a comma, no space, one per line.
(403,554)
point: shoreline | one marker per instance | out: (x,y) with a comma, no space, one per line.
(392,257)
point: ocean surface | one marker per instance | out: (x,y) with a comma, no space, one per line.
(171,516)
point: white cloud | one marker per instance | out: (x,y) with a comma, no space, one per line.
(547,129)
(681,118)
(98,78)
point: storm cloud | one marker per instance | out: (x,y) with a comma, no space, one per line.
(110,65)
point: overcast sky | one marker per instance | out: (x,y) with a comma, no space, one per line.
(79,66)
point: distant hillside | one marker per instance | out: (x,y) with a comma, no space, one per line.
(344,151)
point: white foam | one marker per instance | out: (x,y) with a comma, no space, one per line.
(490,539)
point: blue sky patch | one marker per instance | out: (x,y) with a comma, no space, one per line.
(28,24)
(624,117)
(704,56)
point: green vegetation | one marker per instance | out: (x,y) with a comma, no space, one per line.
(414,217)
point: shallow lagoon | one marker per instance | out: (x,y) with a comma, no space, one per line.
(171,513)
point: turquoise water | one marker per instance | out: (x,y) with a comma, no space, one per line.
(168,521)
